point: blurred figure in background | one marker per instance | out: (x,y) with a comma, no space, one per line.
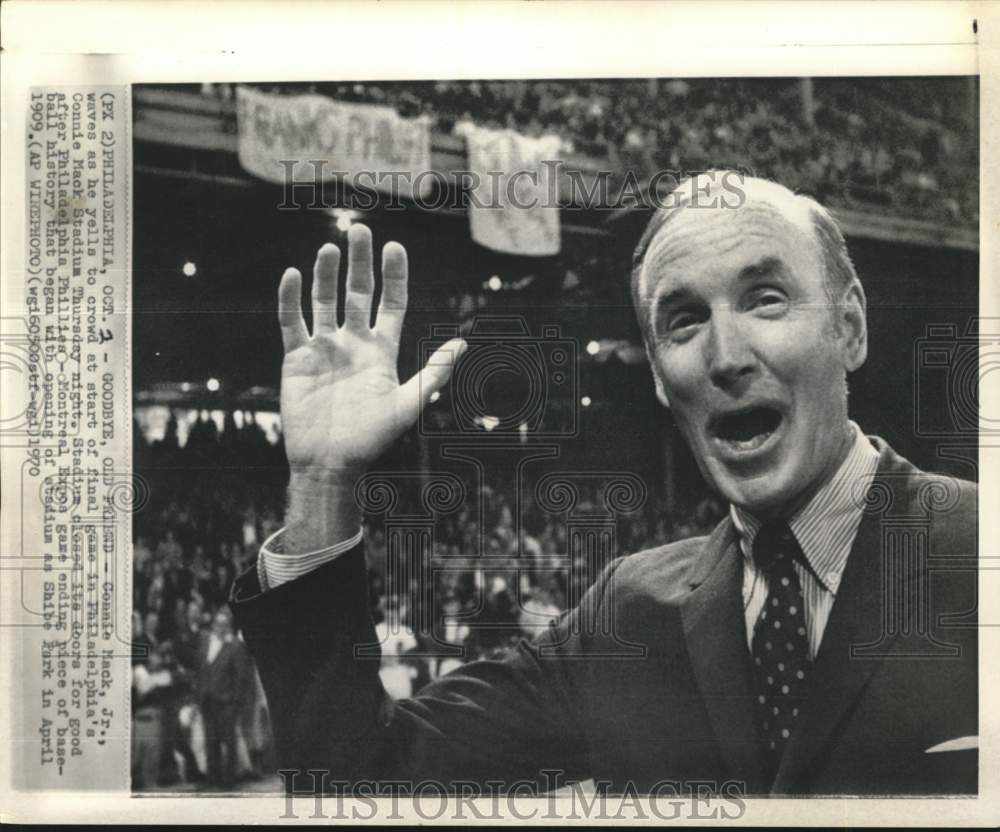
(224,685)
(152,683)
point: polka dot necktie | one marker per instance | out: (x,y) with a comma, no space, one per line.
(780,643)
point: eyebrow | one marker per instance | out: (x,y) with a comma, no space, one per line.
(671,298)
(763,267)
(767,265)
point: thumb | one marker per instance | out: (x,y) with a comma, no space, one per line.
(416,393)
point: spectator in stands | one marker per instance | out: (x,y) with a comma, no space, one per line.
(224,685)
(152,683)
(860,144)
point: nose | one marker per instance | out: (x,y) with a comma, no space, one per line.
(730,357)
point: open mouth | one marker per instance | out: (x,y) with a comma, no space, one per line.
(746,430)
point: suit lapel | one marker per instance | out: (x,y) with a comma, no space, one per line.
(839,674)
(715,632)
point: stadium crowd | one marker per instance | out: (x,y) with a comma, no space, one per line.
(852,143)
(199,713)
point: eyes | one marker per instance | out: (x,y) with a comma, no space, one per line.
(772,299)
(681,321)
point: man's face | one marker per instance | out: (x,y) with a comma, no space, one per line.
(193,614)
(749,352)
(222,624)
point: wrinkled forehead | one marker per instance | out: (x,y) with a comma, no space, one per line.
(705,224)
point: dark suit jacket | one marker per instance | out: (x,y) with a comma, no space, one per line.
(227,678)
(648,680)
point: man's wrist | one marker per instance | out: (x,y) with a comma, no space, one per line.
(323,477)
(322,511)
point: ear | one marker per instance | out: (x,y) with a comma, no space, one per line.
(853,323)
(661,393)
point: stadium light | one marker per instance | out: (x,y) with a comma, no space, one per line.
(343,217)
(213,385)
(489,422)
(593,348)
(189,269)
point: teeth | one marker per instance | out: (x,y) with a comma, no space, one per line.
(750,444)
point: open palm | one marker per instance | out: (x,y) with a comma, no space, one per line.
(341,400)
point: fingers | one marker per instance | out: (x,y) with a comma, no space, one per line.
(416,393)
(293,327)
(360,279)
(392,306)
(324,290)
(358,298)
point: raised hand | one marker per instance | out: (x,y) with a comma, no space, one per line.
(341,400)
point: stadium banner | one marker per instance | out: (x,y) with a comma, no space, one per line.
(309,138)
(512,207)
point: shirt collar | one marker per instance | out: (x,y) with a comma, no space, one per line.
(825,527)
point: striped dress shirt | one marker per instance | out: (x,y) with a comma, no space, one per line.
(276,567)
(825,529)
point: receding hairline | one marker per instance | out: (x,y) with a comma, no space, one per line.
(800,210)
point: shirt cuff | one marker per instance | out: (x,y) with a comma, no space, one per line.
(275,567)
